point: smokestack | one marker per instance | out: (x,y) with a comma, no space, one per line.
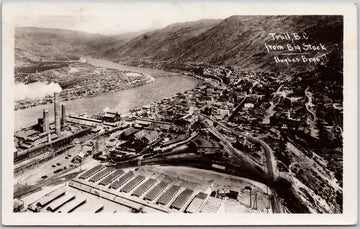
(63,115)
(57,113)
(46,121)
(49,137)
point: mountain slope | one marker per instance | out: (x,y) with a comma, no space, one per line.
(236,41)
(155,45)
(33,44)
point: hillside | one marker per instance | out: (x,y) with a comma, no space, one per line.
(156,45)
(33,44)
(236,41)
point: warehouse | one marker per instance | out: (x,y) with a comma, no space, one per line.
(196,203)
(212,205)
(156,191)
(45,200)
(144,187)
(125,178)
(107,180)
(60,202)
(132,184)
(168,195)
(189,185)
(111,116)
(182,199)
(128,133)
(72,205)
(146,137)
(91,172)
(101,174)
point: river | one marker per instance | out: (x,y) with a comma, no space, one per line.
(121,101)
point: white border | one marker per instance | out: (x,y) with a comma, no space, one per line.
(10,10)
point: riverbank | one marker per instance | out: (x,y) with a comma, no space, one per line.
(78,80)
(144,70)
(121,101)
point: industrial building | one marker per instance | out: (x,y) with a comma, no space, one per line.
(196,203)
(168,195)
(68,208)
(132,184)
(107,180)
(154,192)
(55,205)
(144,187)
(123,179)
(181,200)
(45,136)
(101,174)
(91,171)
(161,193)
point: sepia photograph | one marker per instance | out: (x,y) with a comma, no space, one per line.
(145,109)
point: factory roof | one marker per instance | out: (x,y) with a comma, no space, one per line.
(129,131)
(101,174)
(91,171)
(107,180)
(25,133)
(201,195)
(195,205)
(182,199)
(60,202)
(144,187)
(148,135)
(134,182)
(154,192)
(212,205)
(48,198)
(123,179)
(168,195)
(110,115)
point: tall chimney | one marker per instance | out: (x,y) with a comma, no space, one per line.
(57,113)
(49,137)
(46,121)
(63,115)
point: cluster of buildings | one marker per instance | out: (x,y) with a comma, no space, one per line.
(139,190)
(47,139)
(82,80)
(44,131)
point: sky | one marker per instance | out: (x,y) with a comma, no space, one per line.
(117,18)
(111,18)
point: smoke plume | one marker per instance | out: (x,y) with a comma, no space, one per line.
(35,90)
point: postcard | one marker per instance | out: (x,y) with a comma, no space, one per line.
(179,113)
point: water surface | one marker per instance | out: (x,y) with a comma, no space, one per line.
(120,101)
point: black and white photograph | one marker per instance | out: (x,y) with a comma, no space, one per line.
(185,109)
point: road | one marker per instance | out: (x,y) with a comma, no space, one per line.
(238,107)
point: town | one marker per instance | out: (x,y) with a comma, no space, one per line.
(78,79)
(258,128)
